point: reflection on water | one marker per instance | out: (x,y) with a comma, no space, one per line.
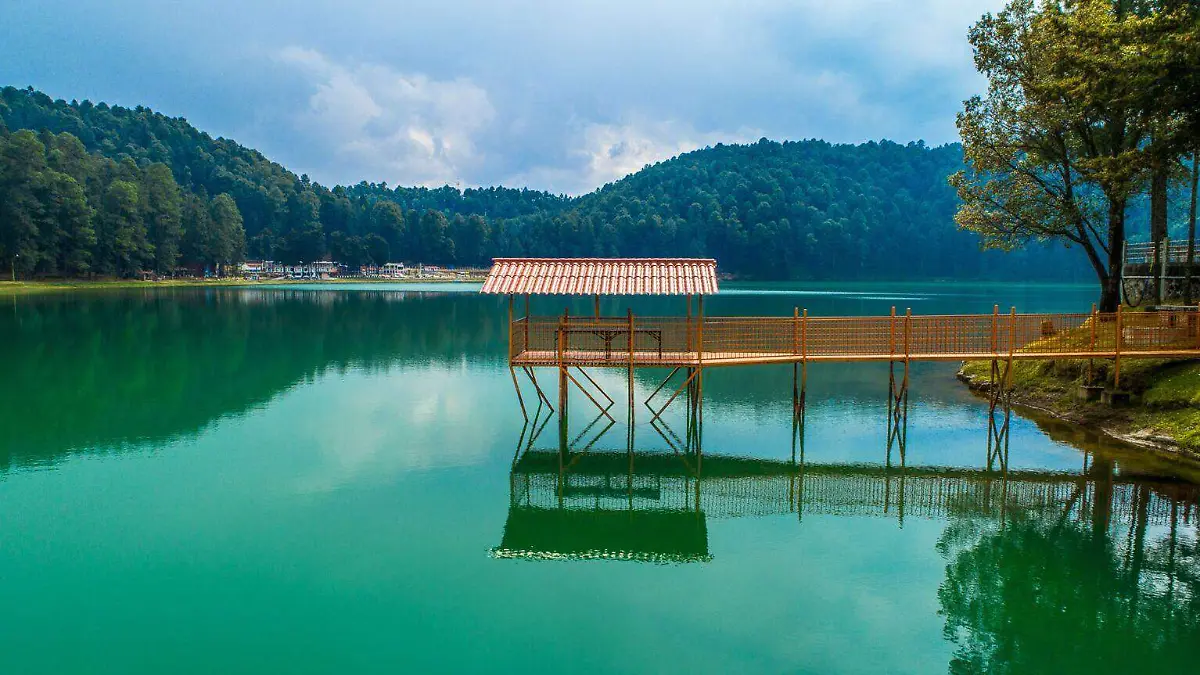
(1094,570)
(343,475)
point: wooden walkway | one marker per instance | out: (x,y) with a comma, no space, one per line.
(634,341)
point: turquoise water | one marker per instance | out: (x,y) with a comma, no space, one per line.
(321,479)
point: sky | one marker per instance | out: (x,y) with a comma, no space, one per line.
(558,95)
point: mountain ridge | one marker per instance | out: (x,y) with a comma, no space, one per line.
(805,209)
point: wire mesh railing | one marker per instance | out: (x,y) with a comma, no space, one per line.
(713,340)
(1172,252)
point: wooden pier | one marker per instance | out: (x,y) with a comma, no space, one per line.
(690,344)
(702,341)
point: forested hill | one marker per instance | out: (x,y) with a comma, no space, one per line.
(97,188)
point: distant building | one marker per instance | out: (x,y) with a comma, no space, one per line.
(323,269)
(392,270)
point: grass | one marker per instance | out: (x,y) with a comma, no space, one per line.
(1165,393)
(52,286)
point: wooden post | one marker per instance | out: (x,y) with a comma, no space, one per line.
(1092,344)
(804,361)
(795,330)
(520,399)
(907,343)
(526,321)
(629,311)
(892,333)
(597,299)
(562,385)
(1120,339)
(699,381)
(510,336)
(1012,345)
(688,326)
(795,366)
(804,337)
(995,329)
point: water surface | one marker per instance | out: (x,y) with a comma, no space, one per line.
(321,479)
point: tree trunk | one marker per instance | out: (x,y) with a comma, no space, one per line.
(1158,219)
(1110,293)
(1191,247)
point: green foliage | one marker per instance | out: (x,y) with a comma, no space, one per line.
(1079,116)
(1176,386)
(795,210)
(162,207)
(120,233)
(1006,607)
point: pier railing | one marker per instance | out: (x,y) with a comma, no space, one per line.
(544,340)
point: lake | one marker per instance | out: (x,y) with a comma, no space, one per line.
(321,479)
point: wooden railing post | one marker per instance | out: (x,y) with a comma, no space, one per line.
(1117,352)
(629,311)
(892,333)
(1092,346)
(907,342)
(804,336)
(687,326)
(1012,344)
(995,329)
(562,384)
(527,323)
(795,330)
(562,334)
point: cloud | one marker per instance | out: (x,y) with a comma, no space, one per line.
(558,95)
(380,124)
(602,153)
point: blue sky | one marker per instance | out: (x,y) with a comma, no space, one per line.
(562,96)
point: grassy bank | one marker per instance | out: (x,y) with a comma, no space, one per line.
(1164,412)
(52,286)
(34,287)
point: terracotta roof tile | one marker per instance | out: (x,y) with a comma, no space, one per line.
(602,276)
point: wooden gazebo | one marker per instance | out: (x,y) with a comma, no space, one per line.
(565,342)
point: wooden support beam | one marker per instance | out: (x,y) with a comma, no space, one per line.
(520,399)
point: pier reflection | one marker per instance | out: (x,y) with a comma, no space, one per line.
(580,501)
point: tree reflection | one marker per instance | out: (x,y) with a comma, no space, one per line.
(99,371)
(1042,592)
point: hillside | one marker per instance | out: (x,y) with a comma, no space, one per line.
(146,191)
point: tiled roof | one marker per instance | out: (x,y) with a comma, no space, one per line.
(602,276)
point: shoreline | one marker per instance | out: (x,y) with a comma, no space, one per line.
(1135,425)
(64,285)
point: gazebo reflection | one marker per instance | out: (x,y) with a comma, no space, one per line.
(583,502)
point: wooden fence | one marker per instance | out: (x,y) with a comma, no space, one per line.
(680,341)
